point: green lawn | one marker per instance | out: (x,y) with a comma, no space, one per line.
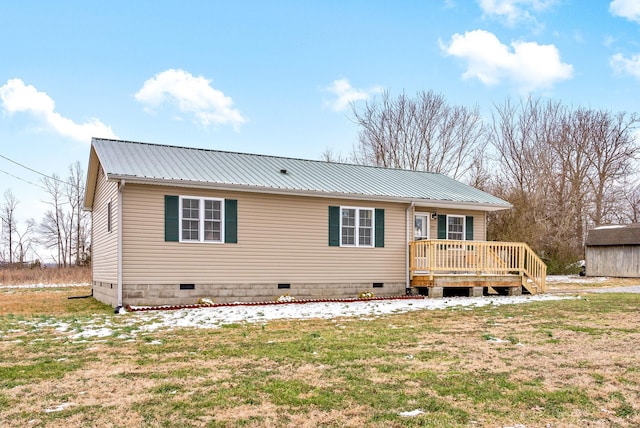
(566,363)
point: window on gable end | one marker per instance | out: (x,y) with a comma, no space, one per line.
(109,216)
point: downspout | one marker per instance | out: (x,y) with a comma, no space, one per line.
(407,235)
(120,189)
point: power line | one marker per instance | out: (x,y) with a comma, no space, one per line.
(22,179)
(33,170)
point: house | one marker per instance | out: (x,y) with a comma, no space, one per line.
(171,225)
(613,250)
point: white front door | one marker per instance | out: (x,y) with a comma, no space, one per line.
(421,226)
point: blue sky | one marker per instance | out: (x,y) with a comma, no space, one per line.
(277,77)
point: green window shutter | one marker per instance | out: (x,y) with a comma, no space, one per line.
(334,226)
(231,221)
(379,227)
(171,218)
(442,226)
(469,228)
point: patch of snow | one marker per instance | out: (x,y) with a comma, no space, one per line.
(575,279)
(411,414)
(58,408)
(214,317)
(44,285)
(100,332)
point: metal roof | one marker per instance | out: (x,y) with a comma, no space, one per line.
(617,234)
(171,165)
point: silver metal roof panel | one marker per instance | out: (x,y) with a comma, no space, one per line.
(146,162)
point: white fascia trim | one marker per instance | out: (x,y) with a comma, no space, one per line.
(431,203)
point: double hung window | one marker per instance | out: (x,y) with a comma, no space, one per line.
(201,219)
(356,227)
(455,227)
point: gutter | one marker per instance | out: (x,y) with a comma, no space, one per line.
(120,189)
(407,234)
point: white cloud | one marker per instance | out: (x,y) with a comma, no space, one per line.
(629,9)
(20,98)
(191,95)
(631,66)
(346,94)
(514,11)
(527,65)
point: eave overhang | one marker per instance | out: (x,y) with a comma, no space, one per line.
(431,203)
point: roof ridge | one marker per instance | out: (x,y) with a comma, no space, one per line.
(269,156)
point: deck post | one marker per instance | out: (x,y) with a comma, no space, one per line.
(475,291)
(436,292)
(515,291)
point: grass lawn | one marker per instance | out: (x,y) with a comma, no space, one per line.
(566,363)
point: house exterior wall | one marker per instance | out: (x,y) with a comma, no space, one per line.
(479,221)
(281,240)
(615,260)
(104,243)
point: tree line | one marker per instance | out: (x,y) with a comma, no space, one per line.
(63,230)
(564,169)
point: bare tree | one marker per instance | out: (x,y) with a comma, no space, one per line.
(328,155)
(611,153)
(25,241)
(9,221)
(421,133)
(562,169)
(74,190)
(630,201)
(53,228)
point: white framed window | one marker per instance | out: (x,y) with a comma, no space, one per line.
(421,226)
(201,219)
(455,227)
(357,227)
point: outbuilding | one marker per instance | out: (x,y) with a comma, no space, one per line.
(613,250)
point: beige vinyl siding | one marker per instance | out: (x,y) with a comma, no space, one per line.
(479,221)
(104,244)
(281,239)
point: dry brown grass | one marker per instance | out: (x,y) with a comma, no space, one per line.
(54,301)
(573,363)
(12,275)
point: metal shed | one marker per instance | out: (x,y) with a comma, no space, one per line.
(613,250)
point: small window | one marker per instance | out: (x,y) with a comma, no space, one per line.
(455,227)
(201,219)
(356,227)
(109,216)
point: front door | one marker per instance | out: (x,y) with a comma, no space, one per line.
(421,226)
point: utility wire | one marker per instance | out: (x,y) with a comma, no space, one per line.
(22,179)
(33,170)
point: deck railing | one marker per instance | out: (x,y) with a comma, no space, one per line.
(429,257)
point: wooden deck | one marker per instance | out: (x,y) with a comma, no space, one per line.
(495,267)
